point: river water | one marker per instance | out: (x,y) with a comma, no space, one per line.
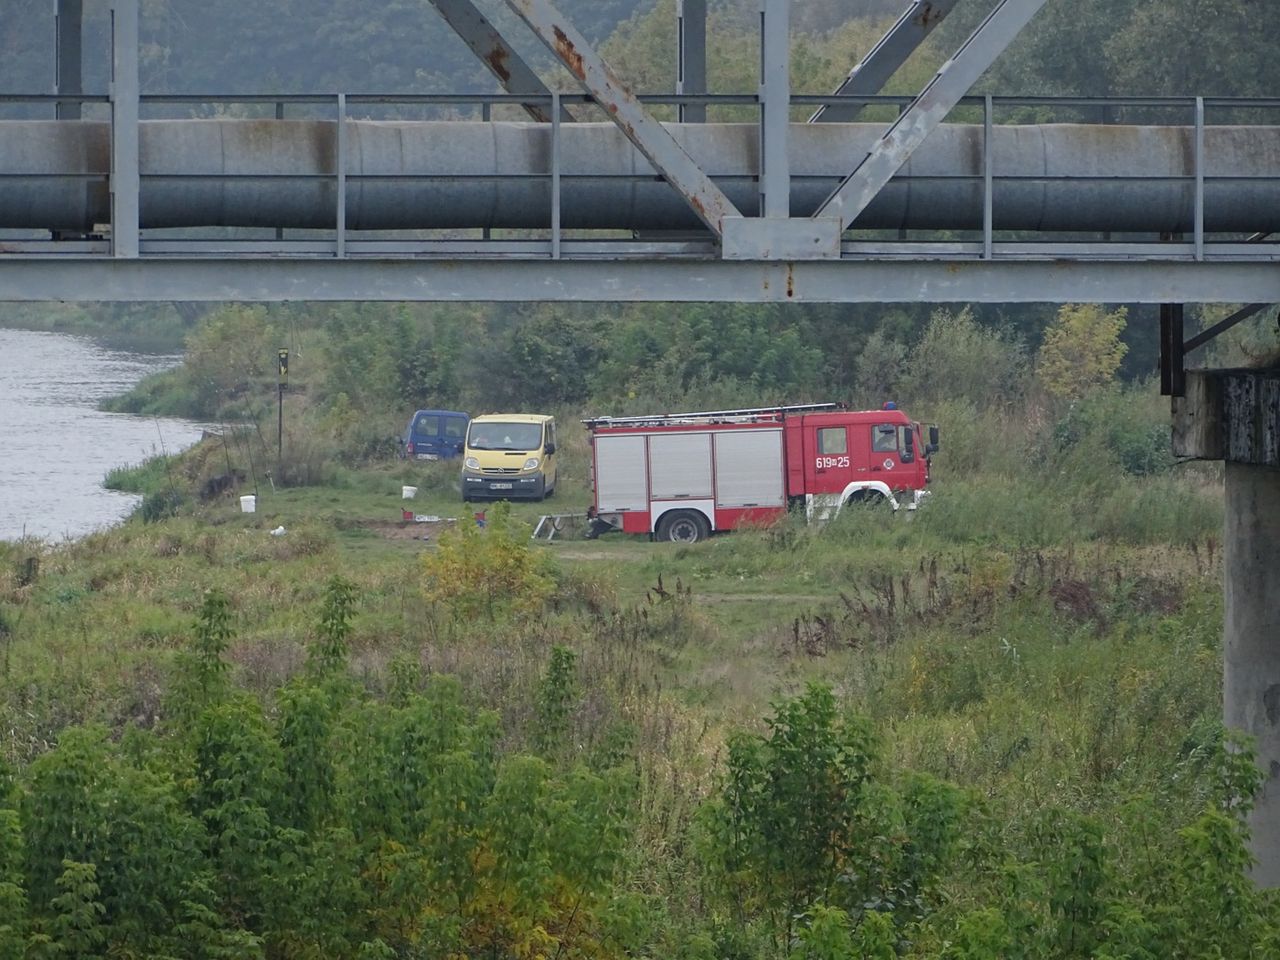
(56,446)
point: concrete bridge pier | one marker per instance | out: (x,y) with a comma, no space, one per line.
(1234,415)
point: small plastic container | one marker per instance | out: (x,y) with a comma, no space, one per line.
(249,504)
(408,493)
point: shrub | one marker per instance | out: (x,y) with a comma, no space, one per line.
(490,570)
(1128,427)
(160,506)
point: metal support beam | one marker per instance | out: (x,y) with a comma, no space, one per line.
(988,179)
(775,235)
(775,107)
(1198,213)
(340,175)
(70,68)
(691,63)
(125,91)
(556,204)
(1222,326)
(882,62)
(498,56)
(506,279)
(1173,367)
(650,137)
(929,109)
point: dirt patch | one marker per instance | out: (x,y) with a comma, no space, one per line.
(406,529)
(1076,599)
(1157,596)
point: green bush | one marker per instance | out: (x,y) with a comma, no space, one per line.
(1129,425)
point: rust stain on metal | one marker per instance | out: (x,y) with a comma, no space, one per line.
(497,61)
(791,280)
(569,54)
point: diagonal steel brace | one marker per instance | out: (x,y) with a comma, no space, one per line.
(513,73)
(882,62)
(929,109)
(649,136)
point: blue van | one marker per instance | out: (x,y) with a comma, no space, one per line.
(434,435)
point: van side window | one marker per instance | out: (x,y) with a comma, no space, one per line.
(427,427)
(454,426)
(551,432)
(884,438)
(833,440)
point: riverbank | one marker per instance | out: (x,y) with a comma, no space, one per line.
(57,443)
(130,328)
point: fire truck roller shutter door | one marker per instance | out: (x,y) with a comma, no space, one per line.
(749,468)
(680,466)
(621,477)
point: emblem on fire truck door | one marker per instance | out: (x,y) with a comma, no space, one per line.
(888,464)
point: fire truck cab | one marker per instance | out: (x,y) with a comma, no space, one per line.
(683,476)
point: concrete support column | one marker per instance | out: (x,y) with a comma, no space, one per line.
(1251,654)
(1234,415)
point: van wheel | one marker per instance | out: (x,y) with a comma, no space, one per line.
(682,526)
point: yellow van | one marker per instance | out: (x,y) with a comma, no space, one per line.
(509,456)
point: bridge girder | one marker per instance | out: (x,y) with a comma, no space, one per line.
(498,56)
(368,278)
(744,263)
(649,136)
(883,60)
(928,110)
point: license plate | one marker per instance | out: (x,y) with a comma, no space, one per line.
(428,456)
(500,486)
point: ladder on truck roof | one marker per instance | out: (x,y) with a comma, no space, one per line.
(744,415)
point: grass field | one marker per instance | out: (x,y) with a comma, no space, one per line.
(983,643)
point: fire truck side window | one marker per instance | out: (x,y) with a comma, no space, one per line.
(884,438)
(833,440)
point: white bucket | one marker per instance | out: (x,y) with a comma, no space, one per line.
(248,504)
(408,493)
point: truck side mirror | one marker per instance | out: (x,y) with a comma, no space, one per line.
(549,449)
(932,447)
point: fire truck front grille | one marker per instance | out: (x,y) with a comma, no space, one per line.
(500,470)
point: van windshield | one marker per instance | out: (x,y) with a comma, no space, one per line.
(505,436)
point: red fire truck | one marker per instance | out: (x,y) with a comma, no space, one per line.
(682,476)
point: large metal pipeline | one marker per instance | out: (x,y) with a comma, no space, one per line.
(457,174)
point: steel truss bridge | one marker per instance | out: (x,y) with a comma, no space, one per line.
(590,196)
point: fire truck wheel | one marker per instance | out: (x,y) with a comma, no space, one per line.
(870,498)
(683,526)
